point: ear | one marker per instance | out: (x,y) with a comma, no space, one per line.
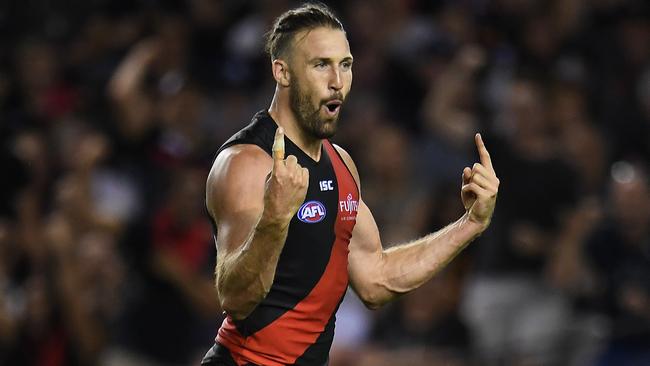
(281,72)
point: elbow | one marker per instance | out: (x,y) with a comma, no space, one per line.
(240,306)
(235,311)
(372,305)
(238,298)
(372,299)
(378,294)
(375,303)
(235,308)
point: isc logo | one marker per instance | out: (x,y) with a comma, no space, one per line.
(326,185)
(311,212)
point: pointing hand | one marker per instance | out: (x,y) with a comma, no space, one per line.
(480,187)
(286,186)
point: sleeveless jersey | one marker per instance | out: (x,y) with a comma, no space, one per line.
(294,324)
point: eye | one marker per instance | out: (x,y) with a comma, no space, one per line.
(347,65)
(320,65)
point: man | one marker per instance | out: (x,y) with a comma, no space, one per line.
(617,255)
(291,228)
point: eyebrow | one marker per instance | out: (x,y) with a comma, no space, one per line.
(330,60)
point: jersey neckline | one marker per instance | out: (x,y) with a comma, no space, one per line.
(308,158)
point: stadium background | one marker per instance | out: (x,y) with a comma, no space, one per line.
(111,111)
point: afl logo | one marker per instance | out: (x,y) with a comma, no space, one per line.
(311,212)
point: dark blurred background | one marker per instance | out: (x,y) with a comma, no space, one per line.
(111,111)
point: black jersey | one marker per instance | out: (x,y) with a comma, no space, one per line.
(294,324)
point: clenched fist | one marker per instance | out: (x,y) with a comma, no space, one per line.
(480,187)
(286,186)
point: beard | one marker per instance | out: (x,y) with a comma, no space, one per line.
(308,116)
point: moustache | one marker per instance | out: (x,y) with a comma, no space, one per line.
(337,96)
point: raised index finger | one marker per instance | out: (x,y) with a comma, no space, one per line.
(278,145)
(483,154)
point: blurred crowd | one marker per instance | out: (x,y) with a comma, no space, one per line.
(111,111)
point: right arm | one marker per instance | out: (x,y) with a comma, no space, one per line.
(252,215)
(126,88)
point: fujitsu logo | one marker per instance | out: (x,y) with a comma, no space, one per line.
(349,205)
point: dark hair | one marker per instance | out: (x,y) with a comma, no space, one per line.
(306,17)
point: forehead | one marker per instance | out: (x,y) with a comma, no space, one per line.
(321,42)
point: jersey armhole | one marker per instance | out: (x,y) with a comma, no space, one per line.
(346,166)
(236,142)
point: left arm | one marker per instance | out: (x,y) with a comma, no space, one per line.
(379,276)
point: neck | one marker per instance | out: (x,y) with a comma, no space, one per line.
(282,114)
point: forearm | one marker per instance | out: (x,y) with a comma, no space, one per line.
(405,267)
(87,334)
(130,75)
(126,88)
(245,277)
(566,268)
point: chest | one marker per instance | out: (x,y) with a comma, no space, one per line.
(321,229)
(332,200)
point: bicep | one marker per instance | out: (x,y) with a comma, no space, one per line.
(235,195)
(366,252)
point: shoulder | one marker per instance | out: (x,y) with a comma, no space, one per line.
(239,158)
(244,152)
(347,159)
(260,131)
(238,172)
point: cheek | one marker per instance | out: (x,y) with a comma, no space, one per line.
(348,82)
(307,84)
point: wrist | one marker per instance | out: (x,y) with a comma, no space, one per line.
(474,226)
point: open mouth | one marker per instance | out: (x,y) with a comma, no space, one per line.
(333,106)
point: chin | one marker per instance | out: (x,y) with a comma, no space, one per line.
(329,129)
(324,134)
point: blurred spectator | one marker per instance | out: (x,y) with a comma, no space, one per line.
(515,315)
(581,143)
(45,94)
(401,204)
(618,253)
(174,287)
(451,117)
(425,326)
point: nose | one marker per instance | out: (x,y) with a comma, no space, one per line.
(336,81)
